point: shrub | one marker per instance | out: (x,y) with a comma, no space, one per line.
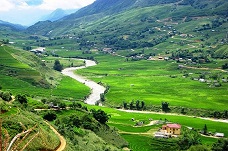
(100,116)
(21,98)
(6,96)
(50,116)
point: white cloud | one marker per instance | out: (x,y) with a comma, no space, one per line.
(64,4)
(6,5)
(27,12)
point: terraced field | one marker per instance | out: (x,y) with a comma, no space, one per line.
(152,82)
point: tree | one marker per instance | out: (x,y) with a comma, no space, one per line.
(165,106)
(44,100)
(188,138)
(199,148)
(142,104)
(75,105)
(50,116)
(131,105)
(137,104)
(125,104)
(102,97)
(225,114)
(225,66)
(220,145)
(100,116)
(3,107)
(21,98)
(57,66)
(205,129)
(62,105)
(6,96)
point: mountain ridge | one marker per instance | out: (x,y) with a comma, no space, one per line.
(12,26)
(57,14)
(107,8)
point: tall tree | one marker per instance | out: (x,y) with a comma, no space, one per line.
(205,129)
(57,66)
(165,106)
(137,104)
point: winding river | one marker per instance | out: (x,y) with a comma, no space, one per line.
(96,89)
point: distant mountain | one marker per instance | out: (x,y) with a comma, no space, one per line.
(12,26)
(57,14)
(108,8)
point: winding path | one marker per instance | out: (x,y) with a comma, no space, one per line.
(96,89)
(62,145)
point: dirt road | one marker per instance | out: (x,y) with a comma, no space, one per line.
(150,112)
(61,138)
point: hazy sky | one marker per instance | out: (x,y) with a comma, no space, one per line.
(26,12)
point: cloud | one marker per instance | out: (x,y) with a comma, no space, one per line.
(6,5)
(64,4)
(27,12)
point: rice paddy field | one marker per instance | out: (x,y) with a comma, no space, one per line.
(141,137)
(155,82)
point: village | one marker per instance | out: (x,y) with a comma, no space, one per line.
(168,130)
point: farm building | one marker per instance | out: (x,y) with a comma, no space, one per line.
(219,135)
(174,129)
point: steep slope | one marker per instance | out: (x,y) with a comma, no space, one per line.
(23,72)
(109,8)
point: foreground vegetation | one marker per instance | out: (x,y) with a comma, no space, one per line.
(132,133)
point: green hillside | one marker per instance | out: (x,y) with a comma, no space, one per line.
(172,26)
(79,129)
(23,72)
(15,121)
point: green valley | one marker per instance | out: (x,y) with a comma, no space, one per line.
(155,70)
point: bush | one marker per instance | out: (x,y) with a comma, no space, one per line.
(21,98)
(3,107)
(220,145)
(6,96)
(100,116)
(50,116)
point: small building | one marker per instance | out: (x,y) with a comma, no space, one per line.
(174,129)
(219,135)
(108,50)
(161,135)
(202,80)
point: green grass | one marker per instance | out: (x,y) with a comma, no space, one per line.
(150,81)
(139,141)
(24,73)
(66,62)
